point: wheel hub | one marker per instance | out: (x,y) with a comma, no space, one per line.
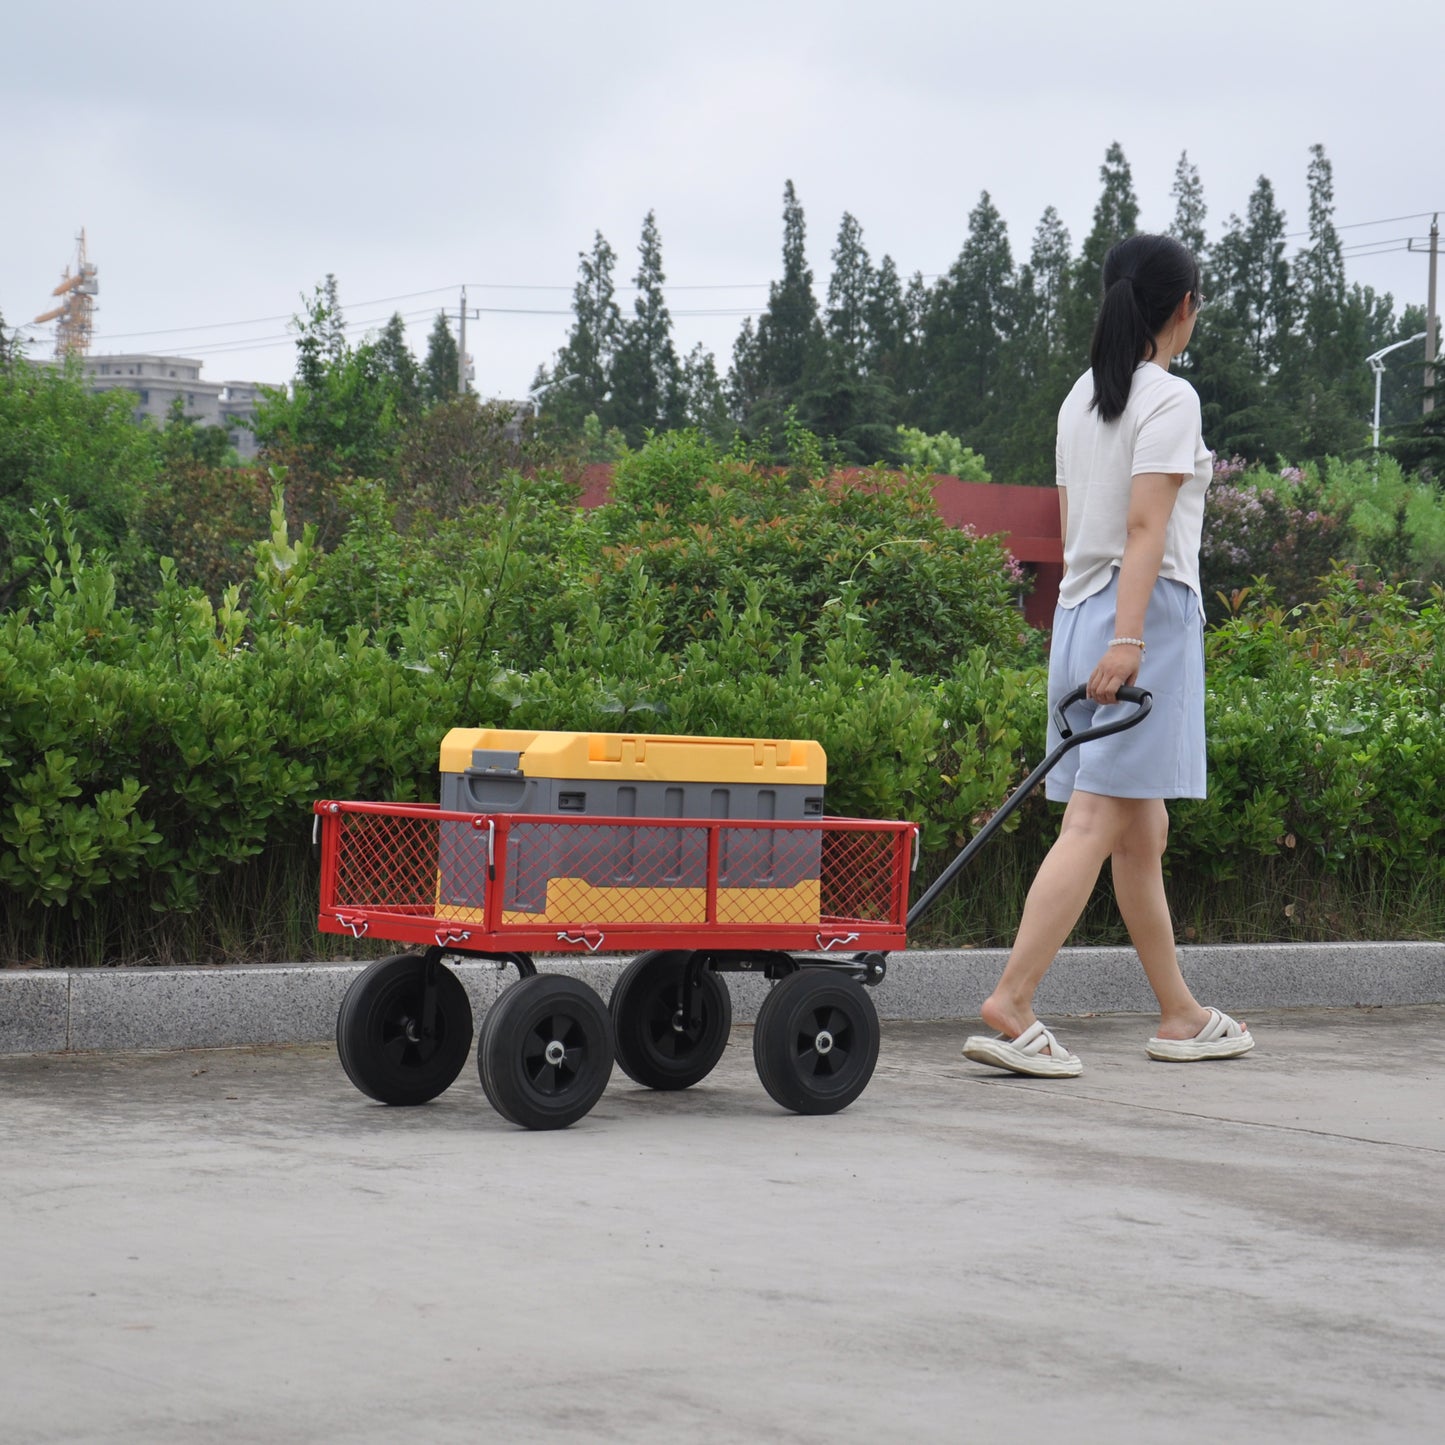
(555,1052)
(824,1042)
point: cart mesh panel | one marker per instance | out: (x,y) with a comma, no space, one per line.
(858,881)
(589,874)
(390,863)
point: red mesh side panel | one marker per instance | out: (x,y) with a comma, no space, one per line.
(559,874)
(858,881)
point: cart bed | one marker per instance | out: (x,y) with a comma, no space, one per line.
(485,882)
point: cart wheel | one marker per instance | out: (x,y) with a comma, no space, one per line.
(816,1041)
(385,1046)
(656,1046)
(546,1052)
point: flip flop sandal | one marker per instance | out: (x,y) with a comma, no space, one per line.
(1036,1052)
(1220,1038)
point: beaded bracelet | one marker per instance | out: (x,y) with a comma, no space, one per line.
(1129,641)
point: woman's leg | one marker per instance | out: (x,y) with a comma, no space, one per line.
(1092,829)
(1137,863)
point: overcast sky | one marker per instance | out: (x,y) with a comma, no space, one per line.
(224,158)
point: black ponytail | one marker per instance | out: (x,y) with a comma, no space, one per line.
(1145,279)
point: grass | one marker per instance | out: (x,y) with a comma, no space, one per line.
(265,912)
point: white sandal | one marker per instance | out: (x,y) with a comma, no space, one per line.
(1036,1052)
(1220,1038)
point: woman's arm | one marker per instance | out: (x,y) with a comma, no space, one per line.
(1151,500)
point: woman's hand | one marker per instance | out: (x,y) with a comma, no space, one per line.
(1118,667)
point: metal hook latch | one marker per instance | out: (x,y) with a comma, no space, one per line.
(837,940)
(357,925)
(590,938)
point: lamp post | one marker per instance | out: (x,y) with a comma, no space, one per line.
(1376,363)
(537,392)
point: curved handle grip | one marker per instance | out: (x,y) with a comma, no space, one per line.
(1140,697)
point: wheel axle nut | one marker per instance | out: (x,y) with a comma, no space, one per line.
(555,1052)
(824,1042)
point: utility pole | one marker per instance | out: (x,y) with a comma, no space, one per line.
(1431,322)
(462,347)
(1432,329)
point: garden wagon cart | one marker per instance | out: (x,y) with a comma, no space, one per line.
(702,897)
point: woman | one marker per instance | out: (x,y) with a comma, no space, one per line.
(1132,473)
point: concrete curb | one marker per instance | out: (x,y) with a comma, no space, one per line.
(194,1008)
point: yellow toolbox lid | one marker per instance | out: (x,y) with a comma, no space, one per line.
(642,756)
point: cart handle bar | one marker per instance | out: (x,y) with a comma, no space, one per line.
(1142,700)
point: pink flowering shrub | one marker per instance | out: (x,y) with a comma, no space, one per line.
(1275,529)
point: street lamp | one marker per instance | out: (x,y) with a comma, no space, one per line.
(1377,365)
(537,392)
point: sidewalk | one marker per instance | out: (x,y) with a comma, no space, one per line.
(236,1247)
(98,1009)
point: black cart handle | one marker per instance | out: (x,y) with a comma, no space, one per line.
(1142,700)
(1137,695)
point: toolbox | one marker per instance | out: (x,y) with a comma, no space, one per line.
(558,872)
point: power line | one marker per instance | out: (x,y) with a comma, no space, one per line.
(1361,225)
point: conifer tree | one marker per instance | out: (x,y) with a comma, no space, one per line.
(580,376)
(1189,208)
(789,331)
(969,321)
(439,369)
(644,375)
(850,290)
(703,396)
(1254,276)
(885,324)
(1116,215)
(393,358)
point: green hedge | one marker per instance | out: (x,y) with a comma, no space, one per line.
(157,764)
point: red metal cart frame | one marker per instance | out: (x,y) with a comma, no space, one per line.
(380,865)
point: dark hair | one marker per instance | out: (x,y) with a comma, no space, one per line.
(1145,278)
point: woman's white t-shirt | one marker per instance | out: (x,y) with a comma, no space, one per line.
(1097,462)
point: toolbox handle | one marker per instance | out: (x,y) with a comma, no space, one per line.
(1142,700)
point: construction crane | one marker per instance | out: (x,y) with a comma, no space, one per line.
(72,334)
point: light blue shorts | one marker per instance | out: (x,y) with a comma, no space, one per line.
(1164,756)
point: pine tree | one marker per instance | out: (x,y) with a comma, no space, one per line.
(1115,216)
(1253,277)
(703,397)
(885,324)
(644,376)
(1189,208)
(333,330)
(789,332)
(394,359)
(1049,264)
(969,322)
(1037,372)
(745,377)
(1327,385)
(439,370)
(578,382)
(850,290)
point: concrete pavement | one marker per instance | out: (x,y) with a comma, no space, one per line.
(235,1246)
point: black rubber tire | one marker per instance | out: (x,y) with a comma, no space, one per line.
(523,1086)
(378,1034)
(800,1068)
(654,1047)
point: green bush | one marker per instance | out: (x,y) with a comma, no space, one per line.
(158,761)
